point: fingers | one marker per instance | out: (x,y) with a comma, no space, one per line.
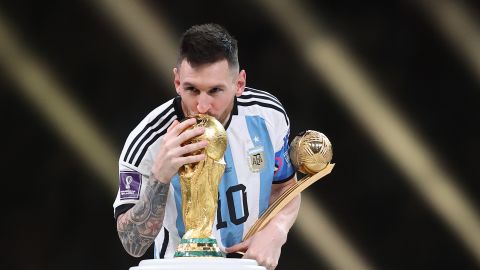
(189,159)
(243,246)
(190,148)
(178,127)
(178,132)
(259,249)
(175,122)
(189,134)
(173,153)
(267,262)
(177,152)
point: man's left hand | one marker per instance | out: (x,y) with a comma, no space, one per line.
(264,246)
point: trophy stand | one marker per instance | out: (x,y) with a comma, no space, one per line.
(206,263)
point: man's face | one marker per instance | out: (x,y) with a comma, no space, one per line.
(209,88)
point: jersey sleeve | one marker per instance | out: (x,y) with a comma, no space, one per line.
(130,187)
(283,166)
(137,156)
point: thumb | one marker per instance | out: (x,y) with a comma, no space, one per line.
(243,246)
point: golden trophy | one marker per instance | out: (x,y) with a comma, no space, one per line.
(310,153)
(199,184)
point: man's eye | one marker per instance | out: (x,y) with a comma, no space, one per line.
(215,90)
(191,89)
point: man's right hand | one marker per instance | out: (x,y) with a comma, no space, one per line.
(172,155)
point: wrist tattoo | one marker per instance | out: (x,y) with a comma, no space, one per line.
(139,226)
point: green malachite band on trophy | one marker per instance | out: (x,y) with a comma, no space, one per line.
(179,254)
(198,247)
(199,241)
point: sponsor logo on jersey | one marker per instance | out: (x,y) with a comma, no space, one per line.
(130,185)
(256,158)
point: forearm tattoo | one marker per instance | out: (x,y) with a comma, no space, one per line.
(139,226)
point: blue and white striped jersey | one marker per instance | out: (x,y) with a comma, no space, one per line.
(256,157)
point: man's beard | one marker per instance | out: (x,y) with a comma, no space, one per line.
(223,118)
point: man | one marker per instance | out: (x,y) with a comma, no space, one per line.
(258,170)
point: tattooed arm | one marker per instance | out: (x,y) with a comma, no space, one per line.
(138,227)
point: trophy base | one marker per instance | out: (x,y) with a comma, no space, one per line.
(198,247)
(198,264)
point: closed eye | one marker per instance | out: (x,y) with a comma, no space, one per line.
(192,89)
(215,90)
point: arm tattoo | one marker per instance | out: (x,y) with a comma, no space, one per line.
(139,226)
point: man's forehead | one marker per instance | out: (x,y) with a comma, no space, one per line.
(185,65)
(212,73)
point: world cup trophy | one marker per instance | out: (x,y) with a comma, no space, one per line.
(311,153)
(199,186)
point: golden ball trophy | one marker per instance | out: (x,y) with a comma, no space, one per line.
(310,153)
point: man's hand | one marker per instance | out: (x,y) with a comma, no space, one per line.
(172,155)
(264,246)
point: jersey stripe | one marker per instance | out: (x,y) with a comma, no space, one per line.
(250,96)
(163,126)
(178,203)
(249,89)
(259,135)
(263,104)
(147,126)
(165,243)
(239,133)
(232,234)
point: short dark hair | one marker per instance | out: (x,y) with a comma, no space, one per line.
(208,43)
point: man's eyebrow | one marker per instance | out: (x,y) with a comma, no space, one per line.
(188,84)
(218,86)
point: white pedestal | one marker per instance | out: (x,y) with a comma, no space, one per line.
(198,264)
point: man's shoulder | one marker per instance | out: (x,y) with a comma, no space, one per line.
(148,131)
(165,110)
(259,102)
(160,116)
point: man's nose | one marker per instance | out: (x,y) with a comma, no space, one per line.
(203,103)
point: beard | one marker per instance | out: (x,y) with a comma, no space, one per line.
(221,117)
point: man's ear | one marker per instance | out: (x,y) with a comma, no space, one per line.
(241,83)
(176,80)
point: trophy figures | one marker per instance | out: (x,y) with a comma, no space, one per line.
(199,184)
(310,153)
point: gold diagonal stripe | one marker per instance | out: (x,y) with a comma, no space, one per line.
(147,32)
(362,97)
(460,26)
(40,88)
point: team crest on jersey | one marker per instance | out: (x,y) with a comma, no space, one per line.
(130,185)
(256,158)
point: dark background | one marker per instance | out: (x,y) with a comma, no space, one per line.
(58,212)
